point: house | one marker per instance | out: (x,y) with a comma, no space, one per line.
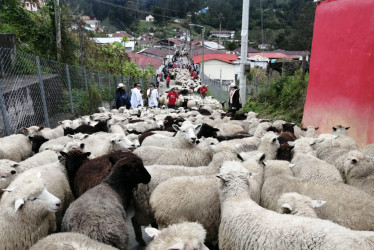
(158,52)
(143,61)
(208,44)
(262,59)
(250,51)
(149,19)
(296,55)
(130,45)
(222,33)
(265,46)
(33,5)
(198,51)
(122,34)
(219,67)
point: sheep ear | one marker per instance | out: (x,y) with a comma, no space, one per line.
(18,203)
(286,208)
(291,165)
(71,136)
(63,153)
(24,128)
(220,176)
(291,143)
(113,160)
(318,203)
(59,122)
(274,140)
(178,246)
(41,128)
(333,128)
(312,142)
(239,157)
(152,232)
(175,127)
(262,158)
(7,189)
(346,128)
(304,129)
(316,128)
(198,127)
(86,136)
(15,165)
(87,154)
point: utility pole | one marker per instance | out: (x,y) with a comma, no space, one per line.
(202,56)
(220,16)
(80,59)
(58,28)
(244,51)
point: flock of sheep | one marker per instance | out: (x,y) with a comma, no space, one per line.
(203,177)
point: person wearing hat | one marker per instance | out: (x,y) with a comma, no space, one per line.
(234,100)
(122,98)
(203,90)
(152,94)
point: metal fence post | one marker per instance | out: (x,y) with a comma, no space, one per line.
(42,93)
(69,87)
(5,113)
(85,79)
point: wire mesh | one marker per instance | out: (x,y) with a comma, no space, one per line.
(32,95)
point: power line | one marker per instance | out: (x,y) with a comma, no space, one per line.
(127,8)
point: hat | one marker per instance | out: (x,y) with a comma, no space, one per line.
(232,85)
(120,85)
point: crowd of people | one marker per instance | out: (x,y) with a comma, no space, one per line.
(123,98)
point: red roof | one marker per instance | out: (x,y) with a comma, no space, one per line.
(143,61)
(271,55)
(227,58)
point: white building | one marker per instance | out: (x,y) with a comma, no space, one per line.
(130,45)
(223,33)
(33,5)
(219,67)
(149,19)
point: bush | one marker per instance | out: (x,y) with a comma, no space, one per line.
(282,98)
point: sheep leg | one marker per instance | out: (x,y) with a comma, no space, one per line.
(138,231)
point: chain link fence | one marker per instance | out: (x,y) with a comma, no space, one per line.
(218,90)
(38,91)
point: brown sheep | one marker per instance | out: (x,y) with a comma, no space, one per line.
(284,152)
(84,173)
(284,137)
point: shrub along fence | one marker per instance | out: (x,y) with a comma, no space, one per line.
(38,91)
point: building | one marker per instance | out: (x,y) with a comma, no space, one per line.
(168,42)
(33,5)
(219,67)
(130,45)
(158,52)
(143,61)
(229,34)
(149,19)
(122,34)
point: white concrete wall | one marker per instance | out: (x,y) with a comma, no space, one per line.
(215,69)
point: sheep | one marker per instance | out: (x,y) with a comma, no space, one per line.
(185,137)
(186,235)
(246,225)
(346,205)
(208,131)
(200,155)
(47,133)
(72,241)
(303,146)
(140,127)
(84,173)
(284,152)
(187,190)
(15,147)
(339,130)
(297,204)
(369,150)
(36,142)
(311,168)
(8,172)
(279,124)
(26,209)
(57,144)
(104,217)
(285,137)
(326,142)
(310,131)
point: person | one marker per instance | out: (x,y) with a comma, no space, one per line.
(173,97)
(168,81)
(122,98)
(152,94)
(203,90)
(136,96)
(158,79)
(234,100)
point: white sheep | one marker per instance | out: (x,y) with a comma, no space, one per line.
(311,132)
(186,235)
(185,137)
(246,225)
(297,204)
(57,144)
(369,150)
(47,133)
(71,241)
(200,155)
(345,205)
(15,147)
(25,212)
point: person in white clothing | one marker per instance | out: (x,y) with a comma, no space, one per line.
(136,96)
(152,94)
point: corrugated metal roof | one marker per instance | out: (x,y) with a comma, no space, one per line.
(271,55)
(143,61)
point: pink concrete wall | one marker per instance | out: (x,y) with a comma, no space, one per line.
(341,80)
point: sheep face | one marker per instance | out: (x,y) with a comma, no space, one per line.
(357,165)
(121,143)
(74,159)
(8,172)
(73,145)
(32,198)
(128,170)
(339,130)
(187,131)
(65,123)
(36,142)
(207,131)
